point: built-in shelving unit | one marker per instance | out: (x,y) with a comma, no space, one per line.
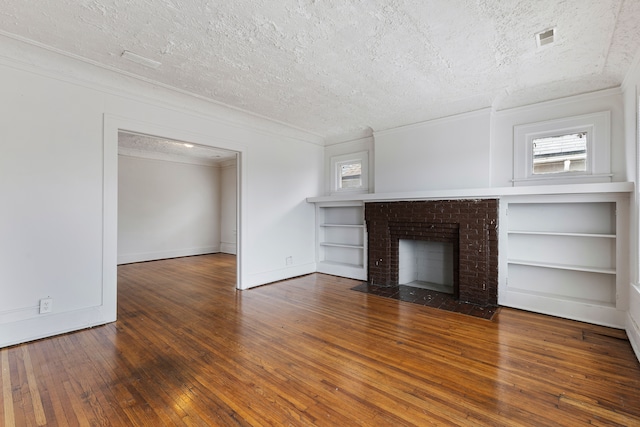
(563,249)
(341,239)
(564,256)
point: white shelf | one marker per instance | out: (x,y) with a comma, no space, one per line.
(574,300)
(341,245)
(342,269)
(340,264)
(563,266)
(492,192)
(554,233)
(341,239)
(566,256)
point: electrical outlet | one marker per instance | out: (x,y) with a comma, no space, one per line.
(289,260)
(46,305)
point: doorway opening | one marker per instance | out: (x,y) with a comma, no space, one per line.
(176,198)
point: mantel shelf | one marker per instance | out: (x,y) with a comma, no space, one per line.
(479,193)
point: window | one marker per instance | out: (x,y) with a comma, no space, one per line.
(349,172)
(569,150)
(559,154)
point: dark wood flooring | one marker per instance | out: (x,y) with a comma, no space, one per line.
(188,349)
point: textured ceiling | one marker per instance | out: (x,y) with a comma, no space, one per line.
(137,145)
(340,67)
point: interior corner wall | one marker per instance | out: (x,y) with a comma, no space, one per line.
(228,211)
(58,172)
(167,209)
(449,153)
(631,95)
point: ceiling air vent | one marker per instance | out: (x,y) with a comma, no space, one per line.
(546,37)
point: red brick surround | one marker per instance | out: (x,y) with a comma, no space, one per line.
(471,225)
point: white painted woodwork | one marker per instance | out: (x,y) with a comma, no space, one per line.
(341,240)
(566,255)
(488,192)
(597,127)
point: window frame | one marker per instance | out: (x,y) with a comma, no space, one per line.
(338,161)
(598,133)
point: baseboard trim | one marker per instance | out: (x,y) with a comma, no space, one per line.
(151,256)
(48,325)
(633,329)
(228,248)
(258,279)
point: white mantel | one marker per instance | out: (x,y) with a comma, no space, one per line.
(481,193)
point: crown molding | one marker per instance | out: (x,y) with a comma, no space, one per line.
(435,122)
(584,97)
(69,70)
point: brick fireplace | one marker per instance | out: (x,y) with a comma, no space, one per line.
(470,225)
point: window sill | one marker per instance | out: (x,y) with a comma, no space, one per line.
(564,179)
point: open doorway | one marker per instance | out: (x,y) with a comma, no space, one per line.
(175,198)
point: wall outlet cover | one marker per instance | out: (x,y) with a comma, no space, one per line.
(46,305)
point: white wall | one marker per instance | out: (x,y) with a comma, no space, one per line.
(475,150)
(228,212)
(631,87)
(167,209)
(447,153)
(59,120)
(503,122)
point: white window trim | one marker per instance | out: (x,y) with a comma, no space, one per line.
(336,161)
(598,167)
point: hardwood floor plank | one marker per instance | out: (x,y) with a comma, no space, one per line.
(7,395)
(189,349)
(49,373)
(36,400)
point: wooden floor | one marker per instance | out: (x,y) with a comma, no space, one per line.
(188,349)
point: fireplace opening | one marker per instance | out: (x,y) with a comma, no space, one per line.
(426,264)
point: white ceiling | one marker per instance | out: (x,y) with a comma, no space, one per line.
(344,67)
(138,145)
